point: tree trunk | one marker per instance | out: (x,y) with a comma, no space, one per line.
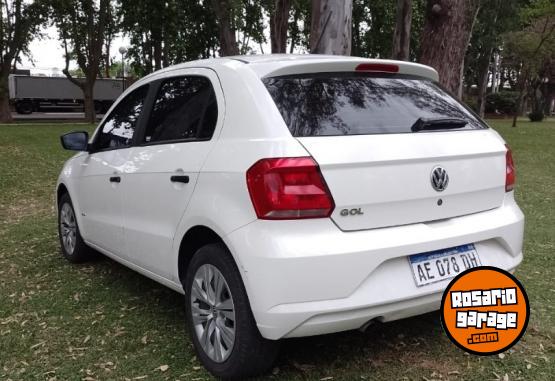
(157,55)
(519,106)
(483,75)
(294,32)
(156,41)
(228,42)
(494,73)
(522,84)
(166,54)
(445,37)
(473,16)
(145,48)
(331,27)
(357,19)
(279,21)
(5,112)
(88,102)
(401,36)
(107,59)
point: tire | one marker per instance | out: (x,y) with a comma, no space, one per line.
(98,107)
(249,354)
(24,107)
(72,245)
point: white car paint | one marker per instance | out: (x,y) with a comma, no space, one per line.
(311,276)
(475,161)
(101,199)
(150,221)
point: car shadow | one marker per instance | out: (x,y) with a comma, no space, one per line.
(379,343)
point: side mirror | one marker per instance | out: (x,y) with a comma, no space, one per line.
(75,141)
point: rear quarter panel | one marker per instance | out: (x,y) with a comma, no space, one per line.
(252,129)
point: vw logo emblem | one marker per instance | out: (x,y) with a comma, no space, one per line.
(439,179)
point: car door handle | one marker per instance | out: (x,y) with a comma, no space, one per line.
(180,179)
(115,179)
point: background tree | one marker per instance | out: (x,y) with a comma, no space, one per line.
(401,35)
(248,22)
(19,24)
(195,32)
(533,51)
(495,17)
(331,27)
(299,25)
(279,23)
(240,24)
(146,23)
(374,24)
(82,26)
(224,10)
(112,29)
(177,31)
(445,38)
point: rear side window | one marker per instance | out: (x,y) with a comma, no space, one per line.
(332,104)
(119,127)
(185,108)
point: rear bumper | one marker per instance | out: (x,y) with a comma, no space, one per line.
(308,277)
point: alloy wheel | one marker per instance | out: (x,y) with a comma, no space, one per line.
(213,313)
(68,228)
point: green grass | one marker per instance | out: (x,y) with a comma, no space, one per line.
(101,321)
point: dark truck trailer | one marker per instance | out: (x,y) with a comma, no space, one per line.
(34,93)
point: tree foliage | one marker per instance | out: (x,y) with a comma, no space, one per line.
(20,22)
(167,33)
(185,30)
(456,37)
(494,18)
(249,24)
(82,26)
(374,24)
(299,25)
(532,51)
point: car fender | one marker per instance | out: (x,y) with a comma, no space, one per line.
(68,178)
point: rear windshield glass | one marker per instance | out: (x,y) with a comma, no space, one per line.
(334,104)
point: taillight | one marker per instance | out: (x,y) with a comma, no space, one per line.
(288,188)
(510,176)
(377,67)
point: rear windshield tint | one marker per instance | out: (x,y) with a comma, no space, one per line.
(334,104)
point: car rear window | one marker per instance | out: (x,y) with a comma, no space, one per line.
(333,104)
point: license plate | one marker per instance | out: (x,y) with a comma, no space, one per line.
(435,266)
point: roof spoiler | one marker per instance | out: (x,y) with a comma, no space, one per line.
(354,64)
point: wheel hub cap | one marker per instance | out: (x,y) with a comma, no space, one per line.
(213,313)
(68,228)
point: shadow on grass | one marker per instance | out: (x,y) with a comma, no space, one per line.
(380,344)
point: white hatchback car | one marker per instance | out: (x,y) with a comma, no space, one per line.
(290,196)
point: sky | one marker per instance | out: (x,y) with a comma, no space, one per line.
(47,54)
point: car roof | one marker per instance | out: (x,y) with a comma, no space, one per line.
(271,65)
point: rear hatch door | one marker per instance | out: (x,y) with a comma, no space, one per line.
(380,172)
